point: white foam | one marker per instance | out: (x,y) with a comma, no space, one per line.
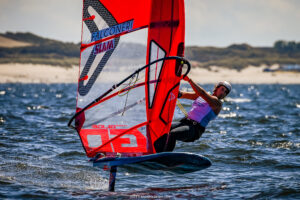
(229,115)
(238,100)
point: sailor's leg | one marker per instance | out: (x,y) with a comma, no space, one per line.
(162,143)
(166,142)
(181,132)
(175,125)
(187,133)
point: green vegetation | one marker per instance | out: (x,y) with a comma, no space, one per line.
(237,56)
(243,55)
(42,51)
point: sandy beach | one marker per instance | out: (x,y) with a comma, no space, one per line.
(29,73)
(249,75)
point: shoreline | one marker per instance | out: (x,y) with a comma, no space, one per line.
(249,75)
(31,73)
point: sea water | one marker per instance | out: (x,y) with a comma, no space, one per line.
(254,146)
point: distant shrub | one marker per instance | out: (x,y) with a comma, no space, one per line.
(287,46)
(236,56)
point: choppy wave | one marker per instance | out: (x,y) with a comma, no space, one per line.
(254,147)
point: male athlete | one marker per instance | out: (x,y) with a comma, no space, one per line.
(205,108)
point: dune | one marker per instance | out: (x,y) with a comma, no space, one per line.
(9,43)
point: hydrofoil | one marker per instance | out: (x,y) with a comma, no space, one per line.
(170,162)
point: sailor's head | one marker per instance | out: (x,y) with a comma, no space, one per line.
(222,89)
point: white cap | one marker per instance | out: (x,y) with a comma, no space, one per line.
(225,84)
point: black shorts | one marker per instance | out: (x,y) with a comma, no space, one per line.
(194,132)
(185,130)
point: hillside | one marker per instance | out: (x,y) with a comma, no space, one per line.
(9,43)
(242,55)
(41,50)
(30,48)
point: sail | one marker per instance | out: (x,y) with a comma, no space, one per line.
(126,91)
(165,38)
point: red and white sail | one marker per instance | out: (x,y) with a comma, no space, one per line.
(130,117)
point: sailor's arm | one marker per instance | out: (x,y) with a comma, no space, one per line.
(213,101)
(187,95)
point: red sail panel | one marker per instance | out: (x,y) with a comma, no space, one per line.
(165,38)
(127,10)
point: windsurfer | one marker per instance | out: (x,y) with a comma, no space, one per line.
(205,108)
